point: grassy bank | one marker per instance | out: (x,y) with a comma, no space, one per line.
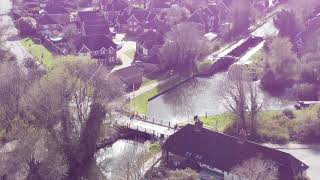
(39,52)
(277,127)
(140,103)
(217,122)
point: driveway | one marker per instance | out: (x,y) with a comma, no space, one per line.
(126,53)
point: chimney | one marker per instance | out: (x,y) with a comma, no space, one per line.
(243,136)
(197,124)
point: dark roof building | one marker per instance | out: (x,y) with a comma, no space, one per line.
(55,9)
(99,29)
(131,77)
(95,43)
(150,38)
(223,152)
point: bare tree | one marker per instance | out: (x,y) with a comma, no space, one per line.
(175,14)
(12,87)
(184,47)
(255,169)
(242,100)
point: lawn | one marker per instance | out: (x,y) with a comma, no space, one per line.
(217,122)
(39,52)
(256,66)
(140,103)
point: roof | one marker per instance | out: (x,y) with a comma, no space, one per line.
(46,20)
(130,75)
(99,29)
(224,152)
(95,42)
(92,17)
(139,14)
(150,38)
(55,9)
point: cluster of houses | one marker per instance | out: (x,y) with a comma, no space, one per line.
(93,26)
(106,18)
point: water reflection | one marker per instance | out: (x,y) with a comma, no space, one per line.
(122,160)
(198,97)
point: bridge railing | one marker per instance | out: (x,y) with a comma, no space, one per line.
(154,133)
(148,119)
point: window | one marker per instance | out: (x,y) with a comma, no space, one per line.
(112,59)
(145,51)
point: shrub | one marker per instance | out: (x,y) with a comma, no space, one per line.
(309,131)
(306,92)
(274,85)
(274,134)
(288,113)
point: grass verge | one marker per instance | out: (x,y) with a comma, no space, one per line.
(39,52)
(140,103)
(217,122)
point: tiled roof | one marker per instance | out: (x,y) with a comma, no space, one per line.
(150,38)
(95,42)
(45,20)
(130,75)
(99,29)
(55,9)
(224,152)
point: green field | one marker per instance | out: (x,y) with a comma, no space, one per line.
(39,52)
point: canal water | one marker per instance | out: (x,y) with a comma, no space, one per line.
(123,157)
(200,96)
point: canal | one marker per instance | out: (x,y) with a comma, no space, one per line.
(123,158)
(200,96)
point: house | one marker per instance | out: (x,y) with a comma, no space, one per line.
(220,9)
(58,13)
(202,149)
(135,21)
(97,47)
(208,19)
(131,77)
(148,45)
(94,23)
(45,25)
